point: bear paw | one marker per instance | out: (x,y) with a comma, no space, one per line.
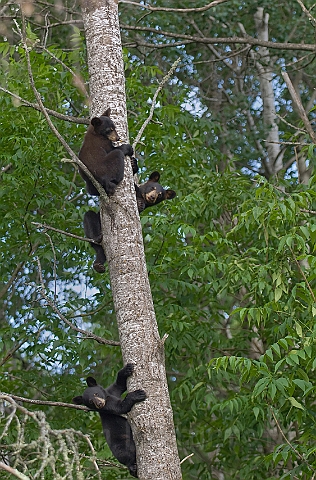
(98,267)
(128,369)
(133,470)
(139,395)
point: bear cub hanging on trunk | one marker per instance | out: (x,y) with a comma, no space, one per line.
(148,194)
(108,402)
(105,162)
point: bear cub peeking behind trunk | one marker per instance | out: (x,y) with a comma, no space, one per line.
(148,194)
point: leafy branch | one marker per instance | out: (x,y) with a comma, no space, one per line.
(54,307)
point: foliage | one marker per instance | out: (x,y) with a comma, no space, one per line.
(231,263)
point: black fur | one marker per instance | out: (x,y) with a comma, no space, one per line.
(108,402)
(105,162)
(147,194)
(92,229)
(151,192)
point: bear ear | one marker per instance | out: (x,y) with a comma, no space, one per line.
(107,113)
(154,177)
(78,400)
(170,194)
(91,382)
(96,121)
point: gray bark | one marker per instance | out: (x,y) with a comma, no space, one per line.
(264,67)
(152,420)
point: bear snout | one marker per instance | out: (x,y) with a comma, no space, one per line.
(99,402)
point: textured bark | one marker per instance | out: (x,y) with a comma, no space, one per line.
(264,67)
(152,420)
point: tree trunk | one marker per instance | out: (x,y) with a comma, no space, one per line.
(264,67)
(152,420)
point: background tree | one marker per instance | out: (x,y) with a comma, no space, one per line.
(230,260)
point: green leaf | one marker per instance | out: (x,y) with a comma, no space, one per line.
(295,403)
(256,412)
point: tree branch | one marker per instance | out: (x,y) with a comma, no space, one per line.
(46,402)
(12,351)
(6,168)
(297,453)
(299,106)
(216,40)
(54,307)
(72,235)
(53,113)
(177,10)
(311,18)
(13,471)
(152,108)
(76,79)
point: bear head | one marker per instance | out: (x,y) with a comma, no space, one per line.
(151,192)
(93,397)
(104,126)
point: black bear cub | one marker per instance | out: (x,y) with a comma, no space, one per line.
(105,162)
(151,192)
(147,194)
(108,402)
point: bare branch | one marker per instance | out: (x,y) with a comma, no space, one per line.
(77,237)
(152,108)
(12,351)
(13,471)
(77,80)
(52,450)
(186,458)
(54,307)
(311,18)
(217,40)
(53,113)
(177,10)
(6,168)
(46,402)
(297,102)
(297,453)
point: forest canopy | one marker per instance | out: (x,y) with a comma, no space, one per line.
(230,260)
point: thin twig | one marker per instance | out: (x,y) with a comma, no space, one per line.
(177,10)
(54,307)
(16,271)
(150,116)
(297,102)
(6,168)
(72,235)
(311,18)
(54,266)
(12,351)
(299,130)
(289,443)
(53,113)
(287,143)
(77,79)
(46,402)
(13,471)
(307,47)
(186,458)
(303,275)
